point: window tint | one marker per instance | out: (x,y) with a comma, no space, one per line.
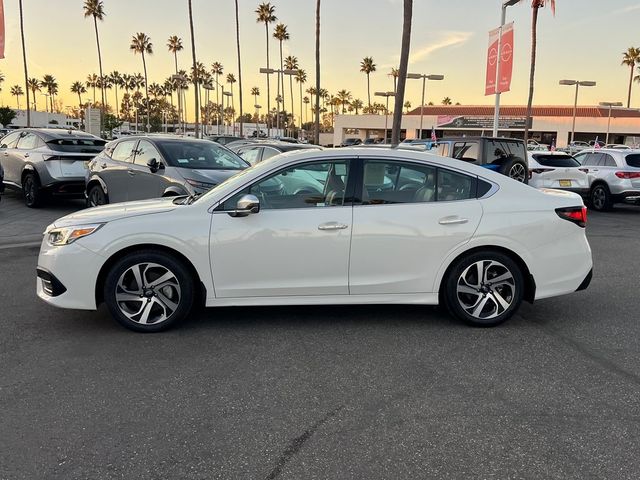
(200,154)
(123,152)
(304,186)
(250,154)
(556,160)
(145,152)
(80,145)
(10,140)
(592,159)
(396,182)
(608,161)
(29,141)
(497,150)
(483,188)
(633,160)
(468,151)
(268,152)
(454,186)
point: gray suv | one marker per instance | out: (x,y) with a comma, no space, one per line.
(614,176)
(141,167)
(47,161)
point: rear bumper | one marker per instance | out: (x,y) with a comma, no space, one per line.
(66,188)
(631,196)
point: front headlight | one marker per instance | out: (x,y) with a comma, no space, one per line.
(66,235)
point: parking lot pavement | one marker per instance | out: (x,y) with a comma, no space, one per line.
(19,224)
(391,392)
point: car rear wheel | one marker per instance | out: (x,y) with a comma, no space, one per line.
(96,196)
(516,169)
(31,190)
(149,291)
(484,289)
(600,198)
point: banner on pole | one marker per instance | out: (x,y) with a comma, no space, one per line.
(1,28)
(498,79)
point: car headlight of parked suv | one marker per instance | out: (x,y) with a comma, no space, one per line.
(66,235)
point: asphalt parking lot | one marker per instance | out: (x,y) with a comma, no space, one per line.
(324,393)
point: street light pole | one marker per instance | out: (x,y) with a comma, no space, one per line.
(416,76)
(386,110)
(503,18)
(578,84)
(609,104)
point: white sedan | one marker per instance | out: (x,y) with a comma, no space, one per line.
(557,170)
(349,226)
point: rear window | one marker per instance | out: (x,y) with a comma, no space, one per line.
(556,161)
(78,145)
(633,160)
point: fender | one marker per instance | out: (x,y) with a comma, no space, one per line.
(95,178)
(174,190)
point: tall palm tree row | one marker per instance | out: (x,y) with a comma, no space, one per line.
(95,9)
(141,43)
(631,58)
(266,14)
(174,44)
(367,67)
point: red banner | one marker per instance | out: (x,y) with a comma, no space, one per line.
(499,80)
(1,29)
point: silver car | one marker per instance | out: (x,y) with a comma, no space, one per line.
(142,167)
(614,176)
(47,161)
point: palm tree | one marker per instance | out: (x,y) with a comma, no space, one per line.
(141,43)
(95,9)
(394,73)
(317,119)
(306,102)
(281,34)
(367,66)
(630,58)
(357,105)
(231,79)
(175,45)
(239,67)
(116,80)
(291,63)
(446,101)
(24,60)
(50,84)
(407,105)
(34,85)
(345,99)
(193,58)
(535,5)
(17,91)
(402,71)
(78,88)
(255,91)
(2,79)
(266,15)
(301,78)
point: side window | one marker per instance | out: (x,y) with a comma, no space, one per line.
(29,141)
(123,151)
(454,186)
(396,182)
(443,149)
(250,154)
(145,152)
(268,152)
(497,151)
(581,158)
(313,185)
(10,141)
(467,151)
(608,160)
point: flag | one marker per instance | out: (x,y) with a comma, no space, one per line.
(434,138)
(498,78)
(553,145)
(596,145)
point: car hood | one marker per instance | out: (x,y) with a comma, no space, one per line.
(115,211)
(208,176)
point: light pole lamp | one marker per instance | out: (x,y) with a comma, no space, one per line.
(386,109)
(503,18)
(609,105)
(417,76)
(225,94)
(578,84)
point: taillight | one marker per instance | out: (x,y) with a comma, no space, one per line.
(628,175)
(577,215)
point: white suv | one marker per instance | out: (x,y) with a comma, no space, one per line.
(614,176)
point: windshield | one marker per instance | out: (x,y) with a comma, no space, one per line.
(80,145)
(201,155)
(556,161)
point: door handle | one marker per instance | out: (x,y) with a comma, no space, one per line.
(332,226)
(131,172)
(26,155)
(454,220)
(104,165)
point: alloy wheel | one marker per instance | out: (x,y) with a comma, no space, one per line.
(518,172)
(97,197)
(486,289)
(29,189)
(598,198)
(148,293)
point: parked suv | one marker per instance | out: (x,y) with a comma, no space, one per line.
(614,176)
(42,161)
(505,155)
(141,167)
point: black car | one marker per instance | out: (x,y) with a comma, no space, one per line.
(256,152)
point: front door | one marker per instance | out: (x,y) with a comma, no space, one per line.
(143,182)
(114,170)
(297,245)
(411,216)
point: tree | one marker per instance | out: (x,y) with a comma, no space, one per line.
(239,67)
(255,91)
(92,82)
(367,66)
(141,43)
(17,92)
(51,85)
(291,63)
(630,58)
(266,15)
(344,96)
(118,82)
(402,73)
(394,74)
(536,5)
(34,85)
(407,105)
(95,9)
(446,101)
(175,45)
(357,105)
(317,106)
(6,115)
(281,34)
(231,79)
(78,88)
(301,79)
(193,58)
(24,60)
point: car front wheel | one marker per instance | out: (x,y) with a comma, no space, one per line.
(96,196)
(149,291)
(484,289)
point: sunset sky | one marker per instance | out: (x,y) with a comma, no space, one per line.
(585,40)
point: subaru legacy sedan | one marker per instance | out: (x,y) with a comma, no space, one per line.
(387,226)
(141,167)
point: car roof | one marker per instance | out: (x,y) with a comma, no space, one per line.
(480,137)
(57,133)
(164,138)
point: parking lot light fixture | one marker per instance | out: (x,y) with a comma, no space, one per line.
(386,109)
(578,84)
(418,76)
(609,105)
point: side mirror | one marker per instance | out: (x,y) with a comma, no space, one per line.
(247,204)
(154,165)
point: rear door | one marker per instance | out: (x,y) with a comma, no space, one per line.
(143,182)
(402,234)
(114,170)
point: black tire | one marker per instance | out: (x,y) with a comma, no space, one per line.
(31,192)
(515,168)
(600,198)
(165,305)
(96,196)
(463,274)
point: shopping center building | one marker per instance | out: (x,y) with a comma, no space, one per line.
(549,123)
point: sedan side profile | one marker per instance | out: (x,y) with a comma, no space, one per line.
(382,226)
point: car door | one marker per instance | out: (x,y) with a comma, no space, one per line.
(114,170)
(143,181)
(22,154)
(402,234)
(297,245)
(11,162)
